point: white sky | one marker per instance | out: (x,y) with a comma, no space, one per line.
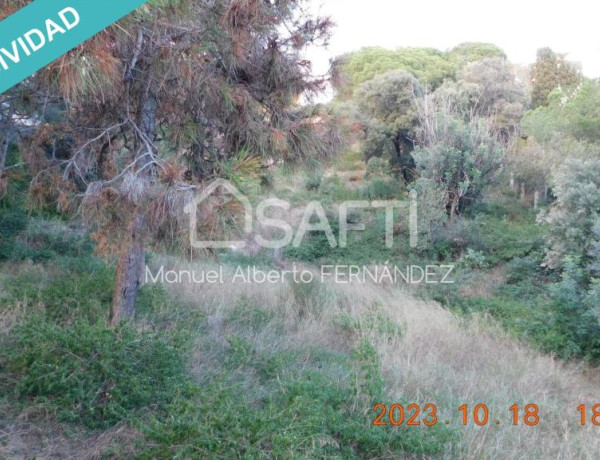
(519,27)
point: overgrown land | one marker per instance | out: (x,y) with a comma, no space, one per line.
(102,151)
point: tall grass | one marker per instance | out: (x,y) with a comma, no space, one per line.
(427,355)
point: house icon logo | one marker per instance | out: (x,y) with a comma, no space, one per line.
(223,187)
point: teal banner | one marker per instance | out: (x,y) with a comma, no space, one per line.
(44,30)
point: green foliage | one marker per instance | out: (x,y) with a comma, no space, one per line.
(12,223)
(499,240)
(351,160)
(473,259)
(83,290)
(378,142)
(249,315)
(390,98)
(334,188)
(472,52)
(383,189)
(575,315)
(461,158)
(431,212)
(309,409)
(377,167)
(313,180)
(363,247)
(492,90)
(311,299)
(571,113)
(573,220)
(262,259)
(428,65)
(88,374)
(390,102)
(551,71)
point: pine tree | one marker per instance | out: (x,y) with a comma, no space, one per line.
(551,71)
(167,99)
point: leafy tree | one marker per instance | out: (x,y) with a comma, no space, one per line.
(460,157)
(498,93)
(428,65)
(173,95)
(533,162)
(466,53)
(573,113)
(551,71)
(486,88)
(574,219)
(390,101)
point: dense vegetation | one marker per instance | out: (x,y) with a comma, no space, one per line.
(101,151)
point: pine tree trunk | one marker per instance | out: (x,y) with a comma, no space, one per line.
(130,269)
(132,260)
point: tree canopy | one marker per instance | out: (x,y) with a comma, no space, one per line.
(551,71)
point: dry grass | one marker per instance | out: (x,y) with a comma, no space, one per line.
(41,438)
(438,358)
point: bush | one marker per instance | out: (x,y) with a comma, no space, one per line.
(89,374)
(575,314)
(522,268)
(12,223)
(498,240)
(381,189)
(363,247)
(377,167)
(313,180)
(335,188)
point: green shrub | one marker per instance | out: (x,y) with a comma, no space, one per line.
(363,247)
(56,239)
(313,180)
(335,188)
(263,259)
(378,167)
(382,189)
(83,289)
(473,259)
(151,299)
(497,239)
(12,223)
(576,314)
(522,269)
(89,374)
